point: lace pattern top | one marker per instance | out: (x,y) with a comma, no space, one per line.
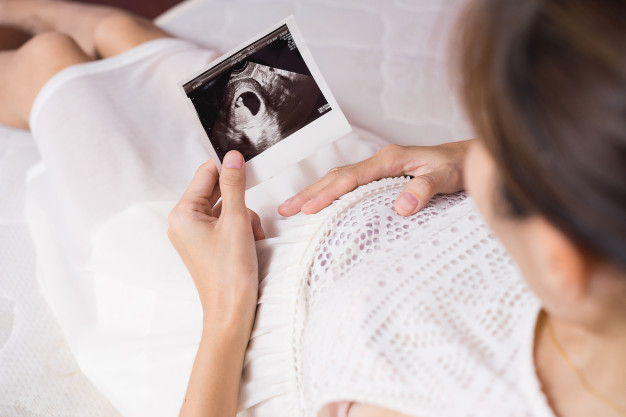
(425,315)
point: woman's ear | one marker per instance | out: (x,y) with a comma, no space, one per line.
(565,265)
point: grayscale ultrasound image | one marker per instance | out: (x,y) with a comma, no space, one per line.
(261,105)
(257,99)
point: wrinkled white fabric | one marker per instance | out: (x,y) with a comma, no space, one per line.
(38,373)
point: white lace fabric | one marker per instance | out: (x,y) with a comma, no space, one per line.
(426,315)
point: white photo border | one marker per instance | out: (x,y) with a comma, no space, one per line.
(300,144)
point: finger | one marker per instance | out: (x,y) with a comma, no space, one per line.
(233,184)
(343,184)
(417,193)
(349,178)
(294,204)
(387,162)
(202,184)
(255,222)
(257,228)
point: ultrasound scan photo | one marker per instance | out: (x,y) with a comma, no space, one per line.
(258,97)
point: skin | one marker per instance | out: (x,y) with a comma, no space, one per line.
(218,249)
(437,169)
(64,34)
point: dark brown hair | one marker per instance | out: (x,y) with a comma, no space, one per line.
(544,84)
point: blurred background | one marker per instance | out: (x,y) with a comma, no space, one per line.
(146,8)
(12,38)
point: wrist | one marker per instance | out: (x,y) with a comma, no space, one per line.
(227,327)
(457,156)
(459,148)
(233,318)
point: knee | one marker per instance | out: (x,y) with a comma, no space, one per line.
(34,64)
(114,30)
(121,31)
(50,52)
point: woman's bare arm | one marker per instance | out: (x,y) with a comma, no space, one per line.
(214,384)
(217,247)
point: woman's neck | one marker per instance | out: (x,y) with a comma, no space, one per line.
(582,372)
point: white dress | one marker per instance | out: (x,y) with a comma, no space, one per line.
(425,315)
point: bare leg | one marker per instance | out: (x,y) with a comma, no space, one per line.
(101,31)
(66,34)
(23,73)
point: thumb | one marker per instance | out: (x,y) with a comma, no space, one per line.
(416,194)
(233,184)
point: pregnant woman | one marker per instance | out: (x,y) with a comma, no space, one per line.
(372,301)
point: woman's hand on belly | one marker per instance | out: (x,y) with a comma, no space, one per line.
(436,169)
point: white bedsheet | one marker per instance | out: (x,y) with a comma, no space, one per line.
(385,62)
(38,374)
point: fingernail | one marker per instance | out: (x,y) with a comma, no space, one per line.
(287,202)
(233,160)
(307,204)
(407,202)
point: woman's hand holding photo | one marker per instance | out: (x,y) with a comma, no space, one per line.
(217,246)
(217,243)
(436,169)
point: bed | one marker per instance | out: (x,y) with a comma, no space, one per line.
(386,63)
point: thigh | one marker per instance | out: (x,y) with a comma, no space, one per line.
(24,72)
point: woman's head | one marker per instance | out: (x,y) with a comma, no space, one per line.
(544,83)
